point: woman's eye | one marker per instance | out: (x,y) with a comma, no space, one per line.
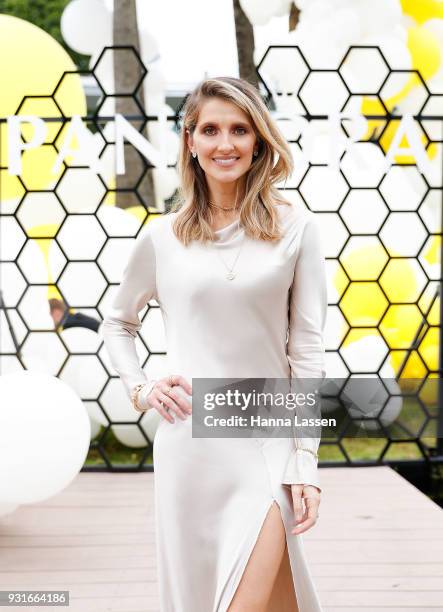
(243,130)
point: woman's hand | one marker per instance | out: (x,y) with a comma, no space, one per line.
(164,396)
(305,517)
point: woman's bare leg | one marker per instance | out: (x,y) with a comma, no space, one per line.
(256,585)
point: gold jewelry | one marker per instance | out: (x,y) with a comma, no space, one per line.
(230,275)
(308,450)
(223,207)
(134,397)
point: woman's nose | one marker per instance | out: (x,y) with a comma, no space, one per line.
(225,142)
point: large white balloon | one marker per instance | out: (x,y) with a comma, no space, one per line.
(368,399)
(259,12)
(86,26)
(166,182)
(81,339)
(44,437)
(149,50)
(155,81)
(282,7)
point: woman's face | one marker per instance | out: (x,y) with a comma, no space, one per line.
(224,140)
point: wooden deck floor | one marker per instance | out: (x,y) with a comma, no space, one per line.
(378,544)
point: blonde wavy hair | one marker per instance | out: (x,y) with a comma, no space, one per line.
(258,214)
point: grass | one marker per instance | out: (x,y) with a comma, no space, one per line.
(366,448)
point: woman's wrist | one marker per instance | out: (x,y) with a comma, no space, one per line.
(139,395)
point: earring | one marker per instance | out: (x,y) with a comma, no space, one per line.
(194,154)
(255,153)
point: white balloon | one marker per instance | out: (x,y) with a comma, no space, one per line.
(165,182)
(380,15)
(80,188)
(367,405)
(81,339)
(154,81)
(364,408)
(41,261)
(257,11)
(43,352)
(166,139)
(85,374)
(96,413)
(95,428)
(46,420)
(435,26)
(364,355)
(363,165)
(149,49)
(396,53)
(282,7)
(86,26)
(117,221)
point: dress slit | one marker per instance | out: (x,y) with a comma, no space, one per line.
(281,593)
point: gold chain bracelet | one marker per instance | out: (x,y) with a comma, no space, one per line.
(308,450)
(134,397)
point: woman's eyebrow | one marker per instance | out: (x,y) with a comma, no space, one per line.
(242,123)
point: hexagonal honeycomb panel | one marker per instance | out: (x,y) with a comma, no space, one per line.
(67,235)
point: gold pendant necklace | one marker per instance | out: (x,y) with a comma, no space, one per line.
(230,274)
(222,207)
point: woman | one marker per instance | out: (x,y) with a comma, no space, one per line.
(240,279)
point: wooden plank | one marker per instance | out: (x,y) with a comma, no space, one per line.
(375,570)
(380,609)
(377,545)
(375,599)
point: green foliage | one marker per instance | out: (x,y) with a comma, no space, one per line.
(45,14)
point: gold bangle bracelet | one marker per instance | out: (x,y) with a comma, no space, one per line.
(308,450)
(134,397)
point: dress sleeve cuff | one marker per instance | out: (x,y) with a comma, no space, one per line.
(143,394)
(302,469)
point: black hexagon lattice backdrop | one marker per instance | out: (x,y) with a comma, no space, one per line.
(68,236)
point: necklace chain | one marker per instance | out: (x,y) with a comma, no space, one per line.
(230,275)
(223,207)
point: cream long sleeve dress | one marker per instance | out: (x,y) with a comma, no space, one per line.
(212,494)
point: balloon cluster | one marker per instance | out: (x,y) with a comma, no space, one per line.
(44,422)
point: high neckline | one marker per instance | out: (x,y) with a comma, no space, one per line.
(226,227)
(228,234)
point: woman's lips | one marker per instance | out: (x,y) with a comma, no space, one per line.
(225,162)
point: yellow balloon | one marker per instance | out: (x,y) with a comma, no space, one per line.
(425,53)
(364,303)
(34,66)
(365,262)
(373,106)
(399,281)
(422,10)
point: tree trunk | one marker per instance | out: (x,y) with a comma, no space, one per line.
(127,73)
(294,15)
(245,45)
